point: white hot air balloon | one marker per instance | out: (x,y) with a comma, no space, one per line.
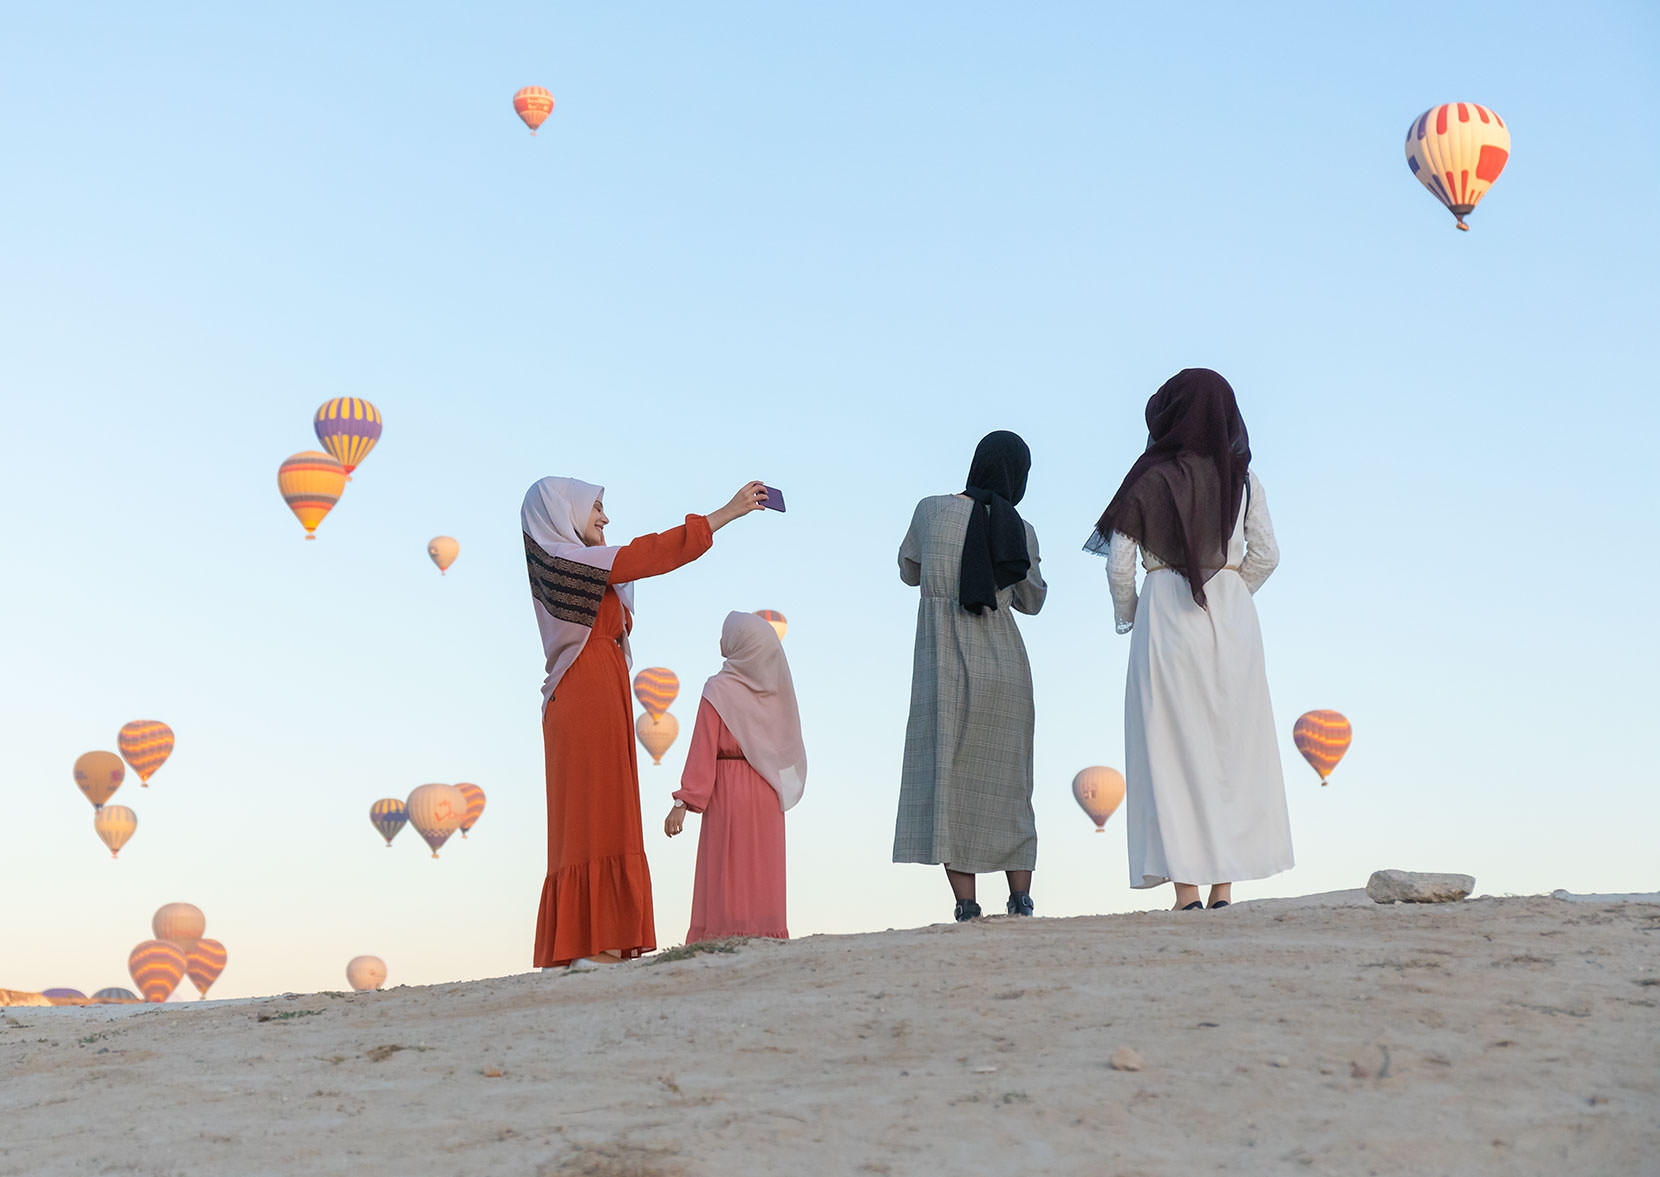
(443,551)
(1457,150)
(182,924)
(436,812)
(365,972)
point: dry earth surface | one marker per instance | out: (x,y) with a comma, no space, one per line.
(1326,1035)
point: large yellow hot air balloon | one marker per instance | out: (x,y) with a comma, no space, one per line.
(311,484)
(1322,737)
(436,812)
(533,104)
(114,824)
(657,733)
(475,805)
(347,427)
(1099,791)
(179,923)
(145,744)
(656,687)
(204,963)
(156,968)
(443,551)
(775,619)
(1457,150)
(365,972)
(99,775)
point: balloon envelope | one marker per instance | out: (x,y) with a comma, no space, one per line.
(115,824)
(204,963)
(436,812)
(657,734)
(656,687)
(365,972)
(63,993)
(533,104)
(347,427)
(115,994)
(156,968)
(179,923)
(145,744)
(475,805)
(99,775)
(1099,791)
(311,483)
(443,551)
(1457,150)
(1322,737)
(388,815)
(775,619)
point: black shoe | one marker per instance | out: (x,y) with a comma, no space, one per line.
(1020,903)
(1218,903)
(1196,905)
(967,910)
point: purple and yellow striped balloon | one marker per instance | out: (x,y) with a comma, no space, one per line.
(475,805)
(204,963)
(656,687)
(115,993)
(156,968)
(1322,737)
(388,815)
(145,745)
(348,427)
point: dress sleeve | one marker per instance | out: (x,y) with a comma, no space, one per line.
(1030,593)
(910,552)
(1262,554)
(653,555)
(697,782)
(1121,579)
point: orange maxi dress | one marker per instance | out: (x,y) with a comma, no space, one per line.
(739,886)
(597,894)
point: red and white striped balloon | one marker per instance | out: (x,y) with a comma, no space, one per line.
(1457,150)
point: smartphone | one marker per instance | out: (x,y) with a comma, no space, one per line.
(774,499)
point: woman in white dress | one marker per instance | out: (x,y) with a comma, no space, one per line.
(1205,799)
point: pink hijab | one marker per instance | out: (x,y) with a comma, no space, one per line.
(755,697)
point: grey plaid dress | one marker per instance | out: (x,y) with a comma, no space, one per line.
(965,795)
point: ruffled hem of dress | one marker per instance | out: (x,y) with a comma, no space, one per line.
(595,906)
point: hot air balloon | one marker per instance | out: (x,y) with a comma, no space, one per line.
(156,968)
(388,815)
(145,744)
(1099,791)
(99,775)
(1457,150)
(775,619)
(475,805)
(443,551)
(365,972)
(311,484)
(204,963)
(656,687)
(657,734)
(179,923)
(115,994)
(72,994)
(436,812)
(115,824)
(347,427)
(533,105)
(1322,737)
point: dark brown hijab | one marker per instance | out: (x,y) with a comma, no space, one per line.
(1181,498)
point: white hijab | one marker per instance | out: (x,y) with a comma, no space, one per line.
(554,512)
(755,697)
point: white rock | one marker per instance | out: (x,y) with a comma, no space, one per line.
(1405,886)
(1126,1059)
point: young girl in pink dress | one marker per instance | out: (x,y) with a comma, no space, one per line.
(746,766)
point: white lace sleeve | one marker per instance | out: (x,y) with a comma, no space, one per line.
(1121,578)
(1262,554)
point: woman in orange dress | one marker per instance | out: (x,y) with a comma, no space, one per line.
(747,765)
(596,899)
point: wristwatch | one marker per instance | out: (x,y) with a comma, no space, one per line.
(679,804)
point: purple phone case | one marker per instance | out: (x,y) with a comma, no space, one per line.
(774,500)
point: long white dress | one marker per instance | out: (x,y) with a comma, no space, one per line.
(1204,797)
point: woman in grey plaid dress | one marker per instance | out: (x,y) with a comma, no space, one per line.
(965,795)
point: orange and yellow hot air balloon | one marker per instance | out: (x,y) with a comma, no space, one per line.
(775,619)
(656,687)
(114,825)
(1457,150)
(657,733)
(99,775)
(443,550)
(204,963)
(475,805)
(311,483)
(1098,791)
(347,427)
(145,744)
(1322,737)
(156,968)
(533,104)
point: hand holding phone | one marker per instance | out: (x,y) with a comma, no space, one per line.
(774,500)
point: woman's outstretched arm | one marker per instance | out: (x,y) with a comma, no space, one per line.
(664,551)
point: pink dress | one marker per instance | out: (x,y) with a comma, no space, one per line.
(739,887)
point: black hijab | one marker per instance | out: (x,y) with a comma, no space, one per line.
(994,547)
(1181,498)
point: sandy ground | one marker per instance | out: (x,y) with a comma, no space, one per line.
(1324,1036)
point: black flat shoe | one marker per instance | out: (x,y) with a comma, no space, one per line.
(1020,903)
(1218,903)
(1196,905)
(967,910)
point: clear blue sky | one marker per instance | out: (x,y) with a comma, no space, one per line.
(827,246)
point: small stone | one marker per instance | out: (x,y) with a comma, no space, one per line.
(1369,1062)
(1405,886)
(1281,1062)
(1125,1059)
(491,1073)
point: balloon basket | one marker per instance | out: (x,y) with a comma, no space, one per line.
(1100,829)
(309,536)
(1462,227)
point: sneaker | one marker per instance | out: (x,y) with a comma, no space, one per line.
(967,910)
(1020,903)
